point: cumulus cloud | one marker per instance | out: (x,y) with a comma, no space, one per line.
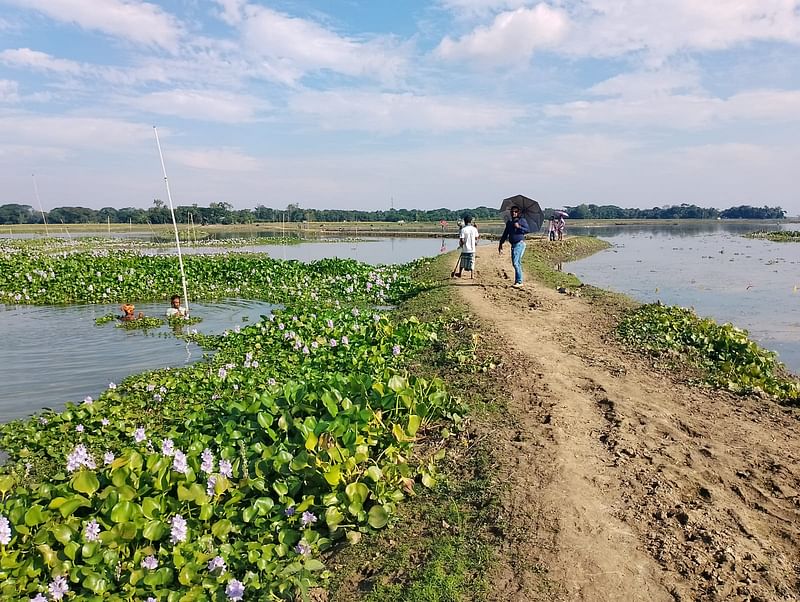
(206,105)
(391,113)
(140,22)
(220,159)
(643,84)
(73,132)
(511,38)
(9,91)
(287,48)
(481,7)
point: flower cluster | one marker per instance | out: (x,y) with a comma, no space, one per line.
(78,458)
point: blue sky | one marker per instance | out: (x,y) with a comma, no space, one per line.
(358,104)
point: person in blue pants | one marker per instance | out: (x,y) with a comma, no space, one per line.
(516,229)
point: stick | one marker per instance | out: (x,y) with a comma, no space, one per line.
(174,223)
(38,200)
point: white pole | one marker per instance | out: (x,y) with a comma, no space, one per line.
(174,223)
(38,200)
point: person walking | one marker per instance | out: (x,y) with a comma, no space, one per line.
(515,231)
(468,241)
(552,228)
(561,226)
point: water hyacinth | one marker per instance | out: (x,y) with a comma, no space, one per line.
(38,598)
(58,588)
(88,400)
(179,463)
(207,464)
(303,548)
(108,458)
(211,486)
(234,590)
(167,447)
(79,428)
(217,564)
(150,563)
(226,468)
(5,530)
(139,435)
(105,421)
(178,530)
(78,458)
(91,532)
(308,518)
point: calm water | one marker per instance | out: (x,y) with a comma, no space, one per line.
(754,284)
(53,354)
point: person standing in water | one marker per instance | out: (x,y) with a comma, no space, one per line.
(175,309)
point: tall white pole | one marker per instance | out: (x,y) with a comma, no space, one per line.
(38,200)
(174,223)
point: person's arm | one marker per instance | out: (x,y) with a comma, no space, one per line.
(523,226)
(504,237)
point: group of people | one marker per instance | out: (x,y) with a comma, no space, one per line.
(557,227)
(514,233)
(175,310)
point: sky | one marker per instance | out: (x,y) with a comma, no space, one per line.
(369,104)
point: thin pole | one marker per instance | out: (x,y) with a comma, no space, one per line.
(174,223)
(38,200)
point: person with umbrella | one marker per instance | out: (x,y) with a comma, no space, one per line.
(515,231)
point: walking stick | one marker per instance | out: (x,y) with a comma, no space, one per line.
(458,260)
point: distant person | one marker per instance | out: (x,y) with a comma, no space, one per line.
(516,229)
(175,309)
(561,226)
(127,312)
(551,229)
(467,242)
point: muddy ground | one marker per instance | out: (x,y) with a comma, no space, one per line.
(621,480)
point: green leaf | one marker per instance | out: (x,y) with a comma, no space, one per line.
(35,516)
(72,504)
(413,424)
(85,482)
(333,475)
(378,517)
(154,530)
(123,511)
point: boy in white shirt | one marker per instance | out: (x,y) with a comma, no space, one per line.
(468,241)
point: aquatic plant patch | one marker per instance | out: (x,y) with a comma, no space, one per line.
(777,235)
(730,359)
(227,479)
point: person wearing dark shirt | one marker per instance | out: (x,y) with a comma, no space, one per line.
(516,229)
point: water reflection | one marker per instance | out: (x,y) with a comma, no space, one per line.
(52,354)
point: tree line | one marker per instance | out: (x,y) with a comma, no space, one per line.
(224,213)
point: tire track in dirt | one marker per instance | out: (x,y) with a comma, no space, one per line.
(632,486)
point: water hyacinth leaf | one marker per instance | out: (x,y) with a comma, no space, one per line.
(311,442)
(263,505)
(312,564)
(374,473)
(249,513)
(35,515)
(428,480)
(413,424)
(357,492)
(333,517)
(333,475)
(188,574)
(397,383)
(151,507)
(378,517)
(85,482)
(62,533)
(6,484)
(95,583)
(154,530)
(221,528)
(71,549)
(123,511)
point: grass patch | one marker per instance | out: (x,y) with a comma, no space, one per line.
(776,236)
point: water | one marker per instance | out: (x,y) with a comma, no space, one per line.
(754,284)
(53,354)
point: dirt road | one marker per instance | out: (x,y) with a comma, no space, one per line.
(623,483)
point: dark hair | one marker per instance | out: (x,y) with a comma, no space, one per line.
(468,219)
(173,297)
(514,208)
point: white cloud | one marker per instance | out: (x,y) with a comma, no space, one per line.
(391,113)
(213,106)
(223,159)
(287,48)
(481,7)
(232,10)
(684,111)
(72,132)
(9,91)
(662,28)
(140,22)
(33,59)
(511,38)
(643,84)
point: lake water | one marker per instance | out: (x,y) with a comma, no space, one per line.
(754,284)
(53,354)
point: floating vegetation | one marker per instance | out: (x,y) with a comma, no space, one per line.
(232,477)
(141,323)
(777,235)
(105,319)
(725,353)
(184,320)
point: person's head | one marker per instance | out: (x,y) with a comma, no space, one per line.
(514,212)
(552,218)
(468,219)
(175,301)
(127,309)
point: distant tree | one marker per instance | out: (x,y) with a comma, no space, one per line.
(13,213)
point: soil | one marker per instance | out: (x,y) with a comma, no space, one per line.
(623,481)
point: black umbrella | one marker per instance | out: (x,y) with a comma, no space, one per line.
(528,208)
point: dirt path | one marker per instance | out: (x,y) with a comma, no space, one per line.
(622,484)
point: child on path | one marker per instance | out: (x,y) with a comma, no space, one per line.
(552,228)
(468,242)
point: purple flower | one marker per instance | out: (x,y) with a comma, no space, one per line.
(43,420)
(91,531)
(289,511)
(178,532)
(281,326)
(112,386)
(108,458)
(305,350)
(248,357)
(376,317)
(150,563)
(105,422)
(88,400)
(150,388)
(167,447)
(162,389)
(222,373)
(355,312)
(207,466)
(329,323)
(5,530)
(217,564)
(226,468)
(254,363)
(271,381)
(80,457)
(303,548)
(314,344)
(333,343)
(138,435)
(179,463)
(151,599)
(345,341)
(79,428)
(396,350)
(211,486)
(308,518)
(38,598)
(58,587)
(235,590)
(156,397)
